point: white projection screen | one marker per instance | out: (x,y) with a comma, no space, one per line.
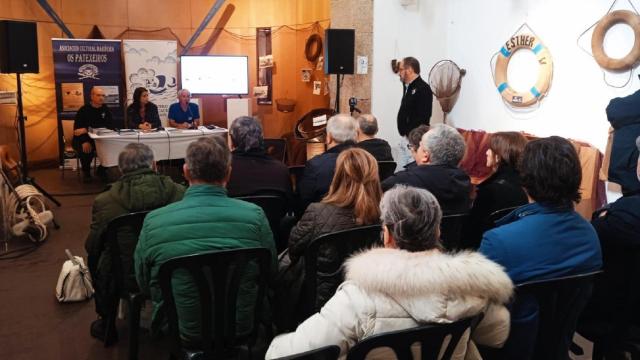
(214,74)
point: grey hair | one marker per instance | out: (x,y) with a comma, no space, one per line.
(183,90)
(444,144)
(208,159)
(135,156)
(342,128)
(246,133)
(638,143)
(368,124)
(413,217)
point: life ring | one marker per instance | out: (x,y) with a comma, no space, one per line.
(314,42)
(597,40)
(540,89)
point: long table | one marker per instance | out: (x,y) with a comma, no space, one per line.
(166,144)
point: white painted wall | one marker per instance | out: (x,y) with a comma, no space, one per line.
(470,32)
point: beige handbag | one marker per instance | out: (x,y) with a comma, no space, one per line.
(74,281)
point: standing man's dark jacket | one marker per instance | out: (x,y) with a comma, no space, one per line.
(415,108)
(137,190)
(318,174)
(624,116)
(255,173)
(379,148)
(449,184)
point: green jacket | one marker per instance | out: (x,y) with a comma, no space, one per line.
(205,220)
(135,191)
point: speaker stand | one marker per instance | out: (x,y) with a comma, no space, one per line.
(24,169)
(337,93)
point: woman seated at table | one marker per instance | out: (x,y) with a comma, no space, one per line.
(142,114)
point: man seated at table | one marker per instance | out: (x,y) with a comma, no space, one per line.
(184,114)
(95,114)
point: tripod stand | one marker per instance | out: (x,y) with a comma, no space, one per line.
(24,169)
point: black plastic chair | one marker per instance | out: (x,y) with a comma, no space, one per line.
(217,276)
(330,352)
(559,303)
(343,244)
(275,208)
(276,148)
(497,215)
(386,169)
(431,338)
(123,272)
(451,230)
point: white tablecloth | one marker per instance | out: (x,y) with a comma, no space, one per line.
(166,144)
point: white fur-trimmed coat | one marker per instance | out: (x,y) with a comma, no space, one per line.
(391,289)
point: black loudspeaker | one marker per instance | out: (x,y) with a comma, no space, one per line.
(339,51)
(18,47)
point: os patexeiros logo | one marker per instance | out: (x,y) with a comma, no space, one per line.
(88,71)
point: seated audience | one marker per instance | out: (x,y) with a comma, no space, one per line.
(205,220)
(417,153)
(142,114)
(318,172)
(545,239)
(253,172)
(409,282)
(502,189)
(367,130)
(139,189)
(613,309)
(352,201)
(443,148)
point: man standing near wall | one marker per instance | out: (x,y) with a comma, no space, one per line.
(415,108)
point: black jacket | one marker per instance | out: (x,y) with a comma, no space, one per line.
(449,184)
(151,113)
(255,173)
(501,190)
(379,148)
(624,116)
(318,174)
(415,108)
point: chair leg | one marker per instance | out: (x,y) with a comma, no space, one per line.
(135,304)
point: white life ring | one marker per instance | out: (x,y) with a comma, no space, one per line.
(597,40)
(540,89)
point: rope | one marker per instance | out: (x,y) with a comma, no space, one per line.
(26,203)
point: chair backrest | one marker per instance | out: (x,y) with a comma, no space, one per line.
(275,208)
(342,244)
(330,352)
(217,276)
(276,148)
(559,302)
(451,230)
(122,269)
(386,169)
(431,338)
(499,214)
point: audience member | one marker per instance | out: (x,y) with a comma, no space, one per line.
(367,130)
(612,309)
(140,188)
(318,172)
(205,220)
(93,115)
(408,283)
(417,153)
(443,148)
(545,239)
(502,189)
(253,171)
(142,114)
(184,114)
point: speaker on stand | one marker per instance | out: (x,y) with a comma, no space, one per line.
(19,55)
(339,55)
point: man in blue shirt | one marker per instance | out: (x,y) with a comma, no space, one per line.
(184,114)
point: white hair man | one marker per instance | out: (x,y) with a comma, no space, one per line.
(367,130)
(443,148)
(342,133)
(184,114)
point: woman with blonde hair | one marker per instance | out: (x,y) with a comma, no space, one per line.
(353,200)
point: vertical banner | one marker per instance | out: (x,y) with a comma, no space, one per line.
(152,64)
(265,66)
(80,64)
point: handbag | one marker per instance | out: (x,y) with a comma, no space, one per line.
(74,281)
